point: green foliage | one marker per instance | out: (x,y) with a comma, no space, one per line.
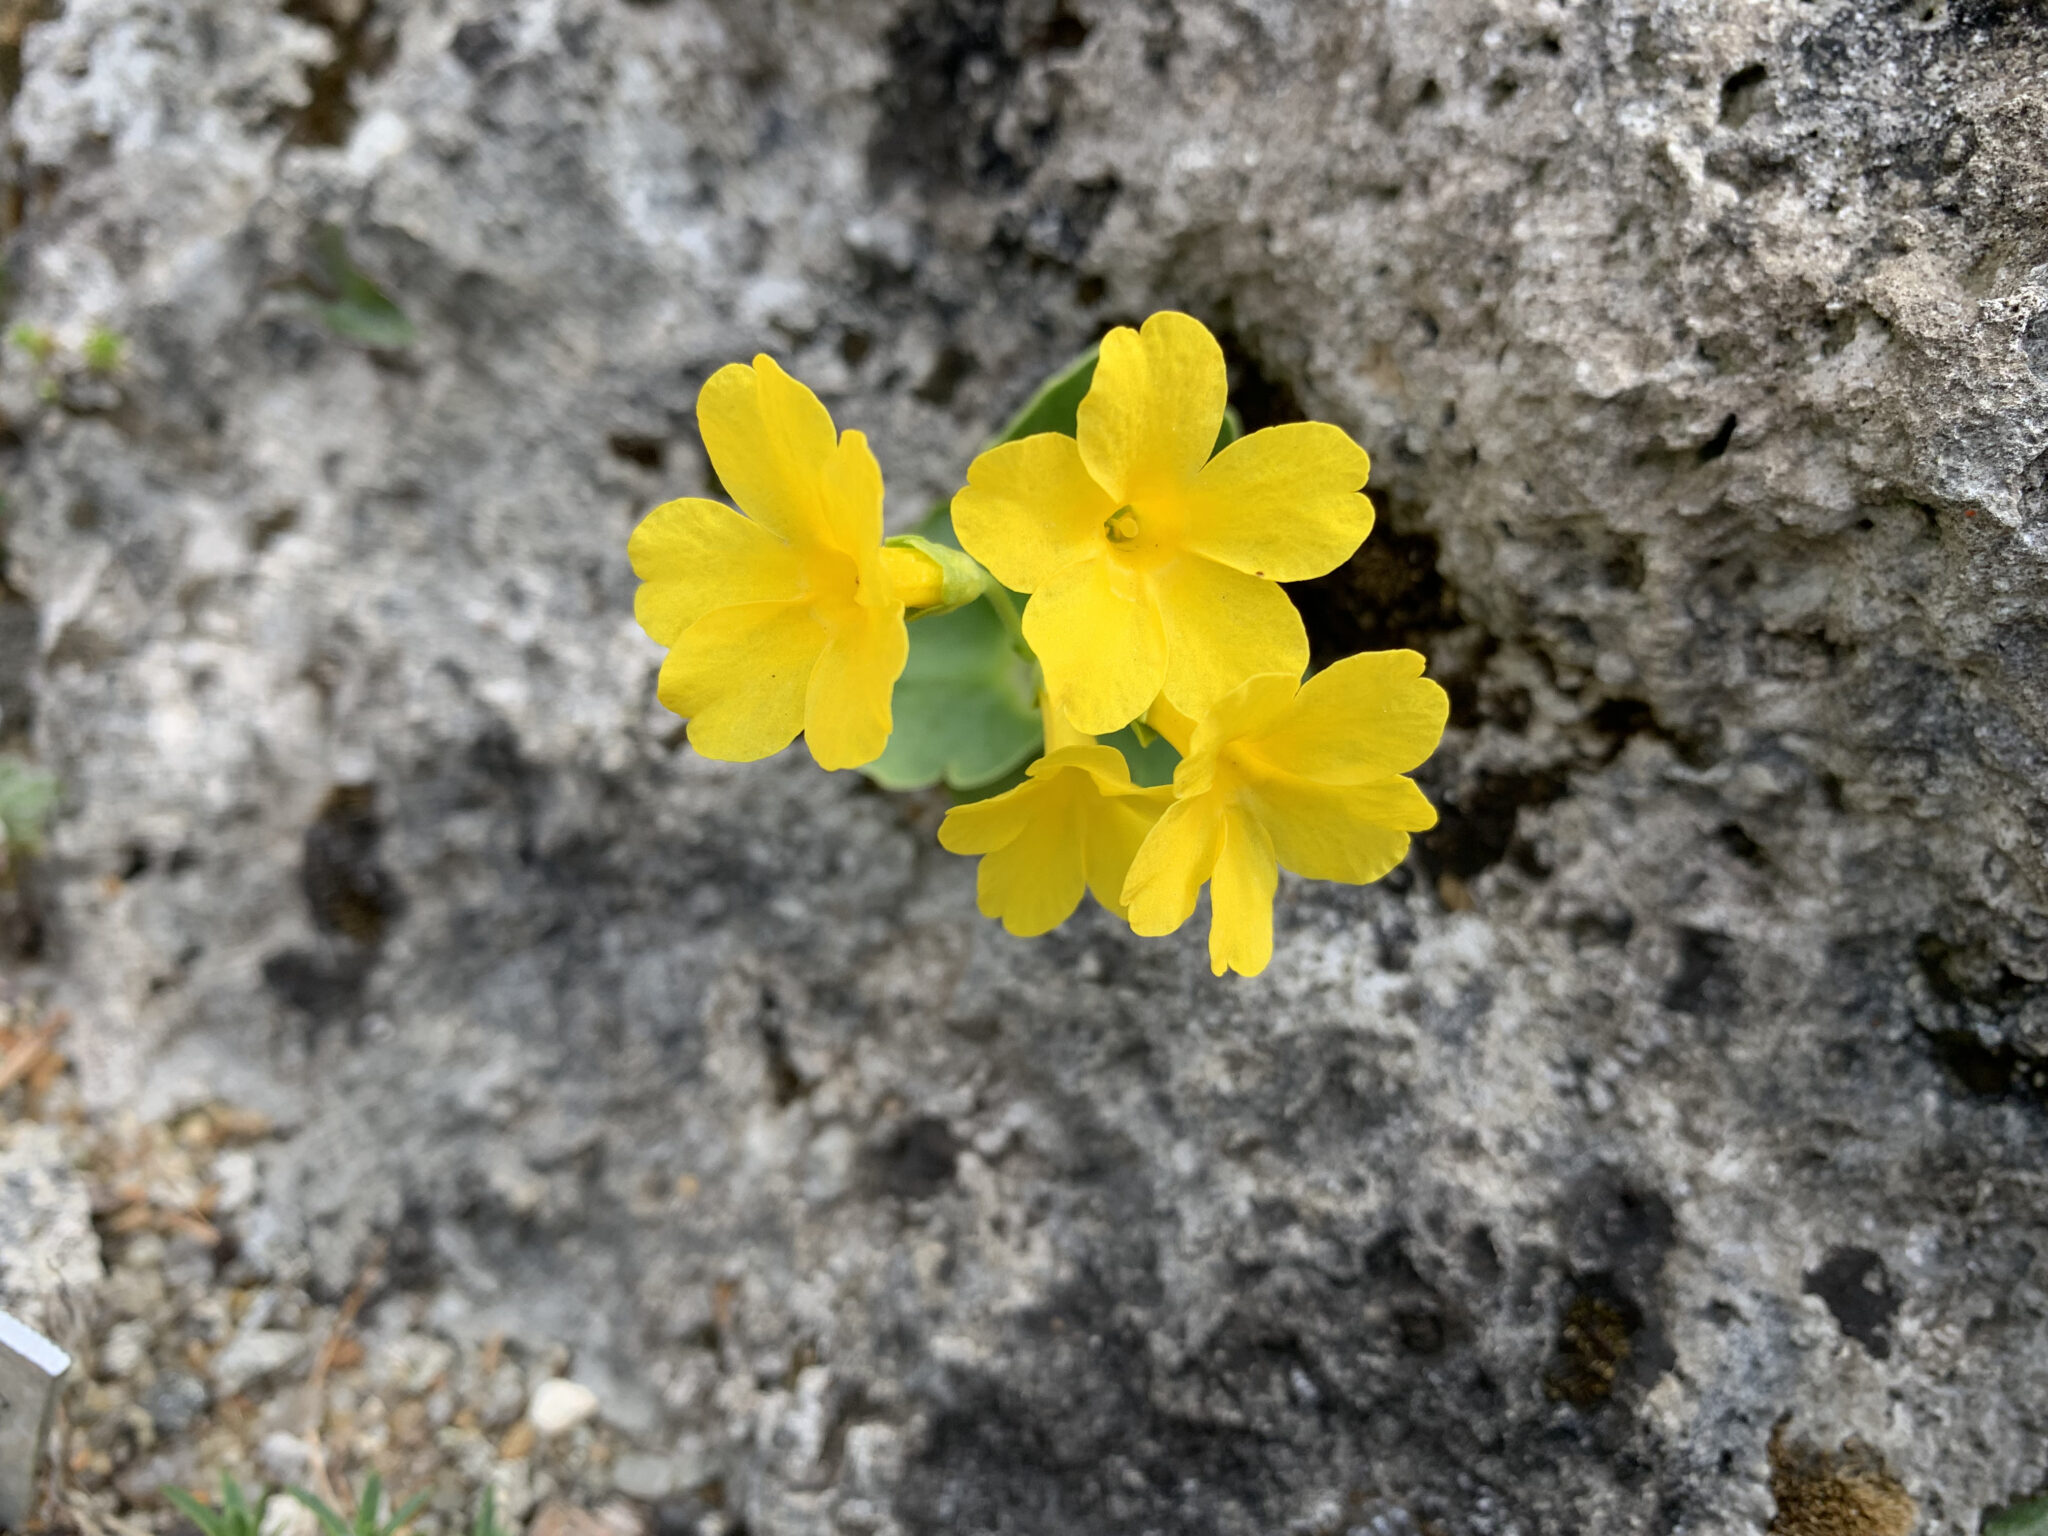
(1057,404)
(233,1516)
(27,796)
(351,304)
(105,350)
(486,1521)
(1150,756)
(38,343)
(2029,1517)
(966,707)
(367,1521)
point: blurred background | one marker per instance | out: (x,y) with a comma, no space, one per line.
(423,1063)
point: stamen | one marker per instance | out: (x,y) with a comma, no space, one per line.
(1121,525)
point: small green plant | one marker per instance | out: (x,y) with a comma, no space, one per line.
(105,350)
(234,1515)
(366,1522)
(351,304)
(38,343)
(2029,1517)
(486,1521)
(27,796)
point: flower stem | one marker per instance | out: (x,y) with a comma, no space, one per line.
(1006,609)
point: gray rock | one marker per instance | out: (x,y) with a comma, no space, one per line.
(256,1358)
(50,1269)
(1687,1078)
(175,1401)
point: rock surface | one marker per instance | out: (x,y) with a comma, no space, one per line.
(1662,1143)
(49,1254)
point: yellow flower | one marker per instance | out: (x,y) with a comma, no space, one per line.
(1302,775)
(1151,566)
(1075,821)
(789,618)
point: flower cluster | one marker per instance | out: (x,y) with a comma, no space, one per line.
(1150,541)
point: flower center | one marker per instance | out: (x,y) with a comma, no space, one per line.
(1121,525)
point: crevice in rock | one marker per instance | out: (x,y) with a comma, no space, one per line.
(916,1162)
(1478,823)
(352,900)
(638,448)
(1857,1289)
(1742,95)
(953,69)
(364,44)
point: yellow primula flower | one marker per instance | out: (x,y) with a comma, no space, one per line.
(1152,567)
(1076,821)
(1305,776)
(790,617)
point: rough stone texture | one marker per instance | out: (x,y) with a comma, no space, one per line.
(1685,1081)
(49,1254)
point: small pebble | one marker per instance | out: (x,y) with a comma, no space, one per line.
(559,1405)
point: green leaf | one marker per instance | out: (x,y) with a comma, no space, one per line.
(404,1517)
(366,1507)
(323,1512)
(966,711)
(210,1521)
(2029,1517)
(1151,761)
(486,1521)
(353,306)
(966,707)
(1056,406)
(27,796)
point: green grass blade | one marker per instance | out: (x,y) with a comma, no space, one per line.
(403,1518)
(208,1520)
(329,1520)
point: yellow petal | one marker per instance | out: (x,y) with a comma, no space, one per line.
(1117,827)
(1034,884)
(1366,717)
(1176,857)
(1255,705)
(1030,838)
(1154,407)
(1105,766)
(983,826)
(739,674)
(693,556)
(1282,503)
(1169,722)
(1241,898)
(1349,832)
(850,499)
(768,438)
(846,713)
(1029,510)
(1222,627)
(1100,646)
(1115,814)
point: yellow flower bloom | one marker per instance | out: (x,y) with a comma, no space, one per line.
(1076,821)
(1151,566)
(1306,776)
(788,618)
